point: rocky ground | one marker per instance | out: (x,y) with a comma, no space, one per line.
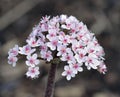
(102,18)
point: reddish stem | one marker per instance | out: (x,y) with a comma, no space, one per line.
(51,81)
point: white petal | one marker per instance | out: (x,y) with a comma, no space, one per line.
(37,73)
(80,69)
(28,74)
(64,26)
(32,65)
(37,68)
(53,48)
(59,53)
(28,57)
(91,55)
(66,68)
(37,62)
(50,58)
(64,73)
(75,71)
(96,62)
(63,58)
(27,63)
(93,66)
(49,44)
(32,75)
(68,77)
(73,75)
(33,50)
(88,67)
(34,56)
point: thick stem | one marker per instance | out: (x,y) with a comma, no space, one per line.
(51,81)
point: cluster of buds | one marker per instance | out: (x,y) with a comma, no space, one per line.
(64,38)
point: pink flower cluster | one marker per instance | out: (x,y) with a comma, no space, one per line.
(65,38)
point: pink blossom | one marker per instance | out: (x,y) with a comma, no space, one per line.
(33,42)
(79,26)
(80,57)
(45,19)
(53,44)
(12,60)
(77,67)
(72,38)
(70,23)
(68,57)
(51,35)
(102,68)
(47,55)
(33,72)
(44,27)
(68,73)
(14,51)
(62,50)
(80,35)
(64,39)
(32,60)
(92,61)
(26,50)
(43,47)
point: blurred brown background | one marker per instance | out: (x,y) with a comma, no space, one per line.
(17,17)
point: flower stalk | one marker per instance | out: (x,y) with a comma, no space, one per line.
(51,81)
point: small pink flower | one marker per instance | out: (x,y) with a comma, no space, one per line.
(72,38)
(80,26)
(80,35)
(12,60)
(43,48)
(14,51)
(90,48)
(32,60)
(68,57)
(44,27)
(68,73)
(47,55)
(51,35)
(80,57)
(64,39)
(53,44)
(33,42)
(26,50)
(92,61)
(62,50)
(45,19)
(102,68)
(33,72)
(76,67)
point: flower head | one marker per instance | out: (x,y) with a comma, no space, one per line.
(65,38)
